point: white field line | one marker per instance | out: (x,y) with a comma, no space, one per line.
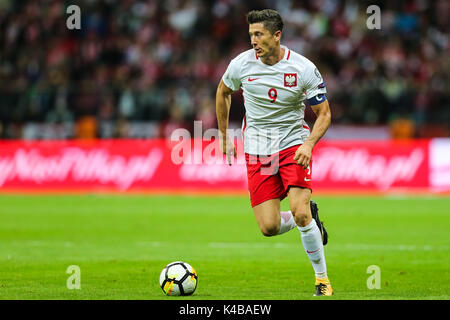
(235,245)
(275,245)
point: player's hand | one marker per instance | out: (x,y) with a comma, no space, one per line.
(229,149)
(303,155)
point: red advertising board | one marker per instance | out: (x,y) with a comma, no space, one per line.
(160,165)
(371,165)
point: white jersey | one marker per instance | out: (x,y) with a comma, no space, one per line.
(273,99)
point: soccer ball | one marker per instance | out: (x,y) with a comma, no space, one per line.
(178,279)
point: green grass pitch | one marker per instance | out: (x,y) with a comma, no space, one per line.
(122,242)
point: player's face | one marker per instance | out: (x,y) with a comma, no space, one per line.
(262,40)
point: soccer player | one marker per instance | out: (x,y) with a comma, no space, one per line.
(278,143)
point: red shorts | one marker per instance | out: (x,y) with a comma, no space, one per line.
(269,177)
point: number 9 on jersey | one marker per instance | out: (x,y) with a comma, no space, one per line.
(273,94)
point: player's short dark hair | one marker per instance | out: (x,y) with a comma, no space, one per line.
(271,19)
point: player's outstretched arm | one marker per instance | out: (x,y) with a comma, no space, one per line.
(223,104)
(321,125)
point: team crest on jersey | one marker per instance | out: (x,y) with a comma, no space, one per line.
(290,79)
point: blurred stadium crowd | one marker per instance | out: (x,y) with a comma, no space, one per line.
(143,68)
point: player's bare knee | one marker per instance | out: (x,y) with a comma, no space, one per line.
(302,219)
(270,230)
(301,215)
(301,211)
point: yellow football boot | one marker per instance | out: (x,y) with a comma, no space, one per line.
(323,287)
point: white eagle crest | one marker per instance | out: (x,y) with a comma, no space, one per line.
(290,80)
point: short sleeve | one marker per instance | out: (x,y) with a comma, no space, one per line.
(312,83)
(231,77)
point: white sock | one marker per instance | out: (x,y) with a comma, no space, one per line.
(287,222)
(312,242)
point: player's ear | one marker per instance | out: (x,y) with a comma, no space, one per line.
(277,34)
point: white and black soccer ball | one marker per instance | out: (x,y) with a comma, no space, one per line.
(178,279)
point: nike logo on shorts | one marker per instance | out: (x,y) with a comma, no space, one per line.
(250,79)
